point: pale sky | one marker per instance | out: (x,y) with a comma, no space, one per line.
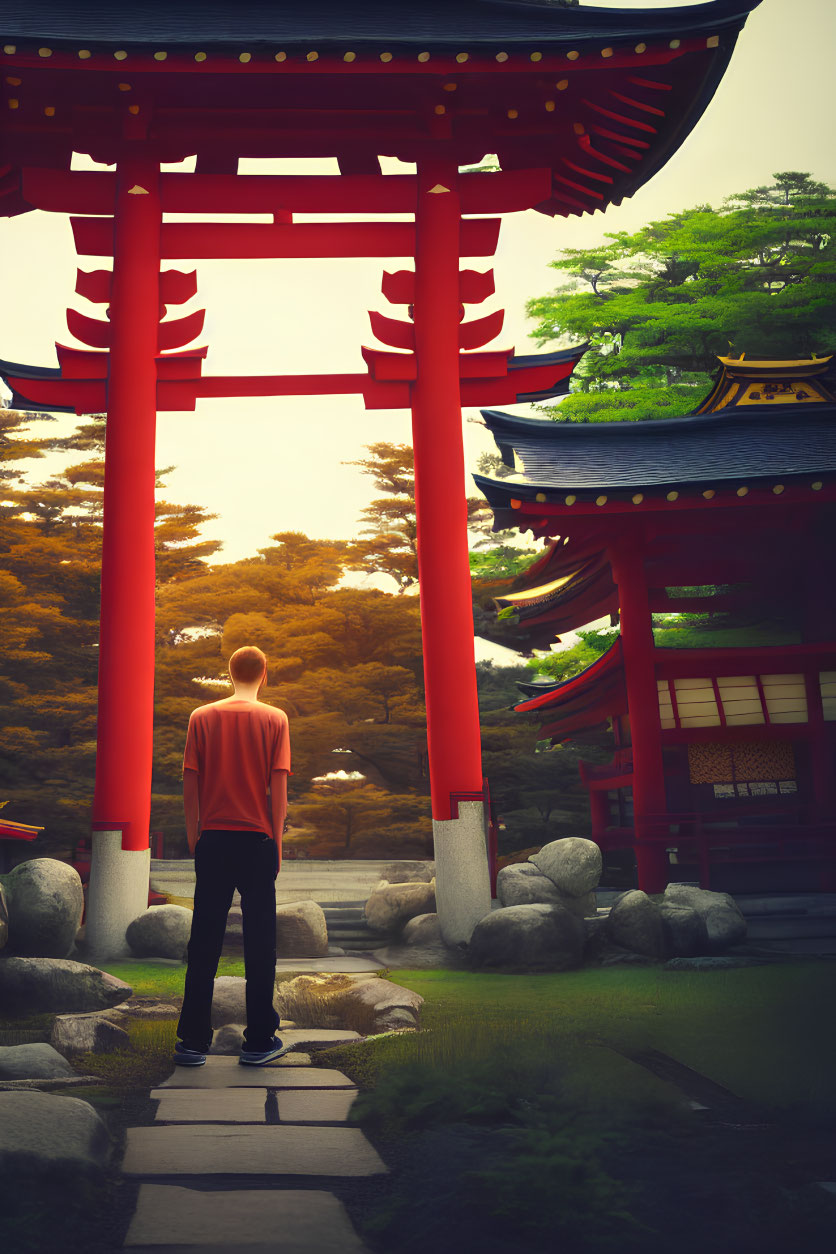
(773,111)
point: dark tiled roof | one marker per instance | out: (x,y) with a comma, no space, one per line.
(737,445)
(430,22)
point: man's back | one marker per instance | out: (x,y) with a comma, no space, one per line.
(234,745)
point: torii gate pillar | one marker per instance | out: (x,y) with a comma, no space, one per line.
(119,872)
(463,892)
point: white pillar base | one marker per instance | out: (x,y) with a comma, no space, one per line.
(462,879)
(117,893)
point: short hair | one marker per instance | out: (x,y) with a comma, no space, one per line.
(247,665)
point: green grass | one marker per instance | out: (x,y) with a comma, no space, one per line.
(765,1033)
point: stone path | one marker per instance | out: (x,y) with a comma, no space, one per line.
(222,1165)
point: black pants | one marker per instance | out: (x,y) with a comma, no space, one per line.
(224,861)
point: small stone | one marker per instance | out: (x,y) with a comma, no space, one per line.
(44,901)
(160,932)
(229,1039)
(87,1033)
(389,908)
(573,864)
(36,1061)
(422,929)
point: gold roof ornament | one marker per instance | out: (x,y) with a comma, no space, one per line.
(757,381)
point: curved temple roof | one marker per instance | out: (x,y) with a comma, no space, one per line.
(781,421)
(434,23)
(600,97)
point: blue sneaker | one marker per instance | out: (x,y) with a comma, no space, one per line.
(185,1057)
(258,1057)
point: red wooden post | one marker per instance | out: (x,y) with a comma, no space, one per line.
(126,639)
(453,732)
(119,869)
(645,729)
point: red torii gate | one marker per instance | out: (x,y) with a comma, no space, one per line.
(135,369)
(625,110)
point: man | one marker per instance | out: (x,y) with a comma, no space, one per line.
(235,771)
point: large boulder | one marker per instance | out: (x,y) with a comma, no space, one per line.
(301,930)
(573,864)
(522,884)
(685,930)
(57,984)
(87,1033)
(389,1005)
(45,1134)
(531,936)
(390,907)
(367,1006)
(36,1061)
(4,919)
(635,923)
(44,900)
(723,919)
(160,932)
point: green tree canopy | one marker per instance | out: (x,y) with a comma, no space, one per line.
(756,276)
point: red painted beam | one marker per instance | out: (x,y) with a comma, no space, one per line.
(93,192)
(234,240)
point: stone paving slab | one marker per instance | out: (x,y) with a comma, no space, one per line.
(325,1106)
(222,1072)
(317,1036)
(211,1106)
(294,1221)
(331,965)
(273,1150)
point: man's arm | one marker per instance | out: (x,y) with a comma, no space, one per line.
(191,805)
(278,802)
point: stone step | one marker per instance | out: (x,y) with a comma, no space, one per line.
(780,927)
(787,904)
(222,1071)
(207,1150)
(347,928)
(297,1221)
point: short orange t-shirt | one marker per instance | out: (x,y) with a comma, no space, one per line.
(234,745)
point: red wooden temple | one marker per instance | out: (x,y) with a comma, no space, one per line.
(723,753)
(580,106)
